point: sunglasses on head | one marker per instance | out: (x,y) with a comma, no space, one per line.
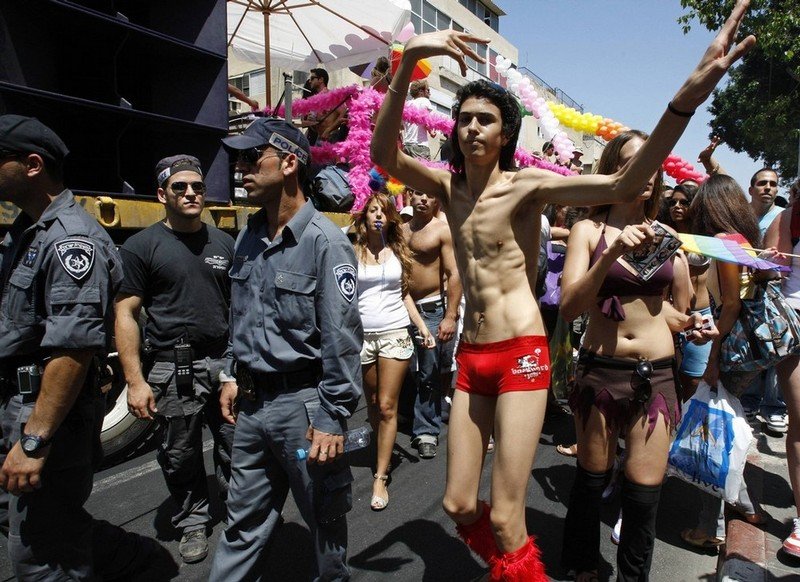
(180,188)
(678,202)
(640,382)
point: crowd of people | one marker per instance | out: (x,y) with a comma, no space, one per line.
(272,339)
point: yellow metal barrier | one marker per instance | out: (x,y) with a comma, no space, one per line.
(126,214)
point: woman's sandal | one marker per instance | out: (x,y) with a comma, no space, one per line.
(758,518)
(568,451)
(379,503)
(701,540)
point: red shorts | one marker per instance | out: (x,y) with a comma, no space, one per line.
(520,363)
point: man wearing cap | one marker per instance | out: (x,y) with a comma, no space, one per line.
(59,272)
(177,269)
(296,340)
(575,164)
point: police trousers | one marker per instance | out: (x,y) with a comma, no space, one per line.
(180,451)
(50,535)
(264,469)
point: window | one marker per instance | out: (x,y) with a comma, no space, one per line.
(258,83)
(429,13)
(417,22)
(426,18)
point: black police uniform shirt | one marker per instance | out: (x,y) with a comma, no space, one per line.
(59,275)
(183,281)
(294,307)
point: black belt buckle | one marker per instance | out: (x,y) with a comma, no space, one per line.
(244,379)
(430,306)
(642,388)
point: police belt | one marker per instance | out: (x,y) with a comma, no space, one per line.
(252,382)
(214,350)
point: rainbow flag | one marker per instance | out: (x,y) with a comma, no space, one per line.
(732,249)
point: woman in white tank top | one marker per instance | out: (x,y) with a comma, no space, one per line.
(387,310)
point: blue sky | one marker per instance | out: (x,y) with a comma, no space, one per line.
(623,59)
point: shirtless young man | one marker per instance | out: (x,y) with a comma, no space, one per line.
(433,266)
(493,214)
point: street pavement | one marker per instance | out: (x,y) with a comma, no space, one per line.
(412,540)
(753,553)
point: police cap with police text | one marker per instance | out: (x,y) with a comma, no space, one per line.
(28,135)
(277,133)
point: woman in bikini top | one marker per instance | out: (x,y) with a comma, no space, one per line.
(625,381)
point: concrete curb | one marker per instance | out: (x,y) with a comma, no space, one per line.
(744,556)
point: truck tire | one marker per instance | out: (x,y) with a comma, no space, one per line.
(123,435)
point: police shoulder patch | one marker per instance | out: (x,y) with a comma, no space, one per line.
(76,256)
(346,281)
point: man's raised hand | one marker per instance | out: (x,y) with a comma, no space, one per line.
(445,42)
(718,58)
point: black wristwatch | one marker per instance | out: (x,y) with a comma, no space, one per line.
(32,444)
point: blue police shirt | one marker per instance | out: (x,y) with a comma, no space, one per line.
(59,275)
(293,305)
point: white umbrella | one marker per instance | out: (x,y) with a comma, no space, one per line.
(302,34)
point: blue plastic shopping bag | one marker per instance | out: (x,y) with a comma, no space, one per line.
(711,443)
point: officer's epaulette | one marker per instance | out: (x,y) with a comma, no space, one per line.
(72,224)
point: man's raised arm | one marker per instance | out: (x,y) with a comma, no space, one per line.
(384,150)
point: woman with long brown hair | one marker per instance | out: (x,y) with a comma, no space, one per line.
(384,265)
(720,209)
(625,378)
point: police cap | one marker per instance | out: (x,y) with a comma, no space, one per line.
(277,133)
(28,135)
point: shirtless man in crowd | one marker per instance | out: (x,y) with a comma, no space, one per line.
(494,217)
(435,287)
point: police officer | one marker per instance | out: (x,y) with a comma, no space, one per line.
(178,270)
(296,338)
(59,271)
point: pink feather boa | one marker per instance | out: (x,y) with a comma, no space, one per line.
(355,149)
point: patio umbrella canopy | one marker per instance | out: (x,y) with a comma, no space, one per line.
(303,34)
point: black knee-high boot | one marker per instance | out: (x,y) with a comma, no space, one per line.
(635,552)
(581,545)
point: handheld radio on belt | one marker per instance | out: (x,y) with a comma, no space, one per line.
(184,376)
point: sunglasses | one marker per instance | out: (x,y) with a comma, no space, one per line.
(251,156)
(9,154)
(640,382)
(180,188)
(678,202)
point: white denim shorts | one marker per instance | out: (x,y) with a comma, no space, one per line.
(394,344)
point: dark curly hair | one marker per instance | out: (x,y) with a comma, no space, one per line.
(719,206)
(509,114)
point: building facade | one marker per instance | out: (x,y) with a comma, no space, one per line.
(482,17)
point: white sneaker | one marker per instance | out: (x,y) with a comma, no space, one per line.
(778,423)
(791,545)
(617,531)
